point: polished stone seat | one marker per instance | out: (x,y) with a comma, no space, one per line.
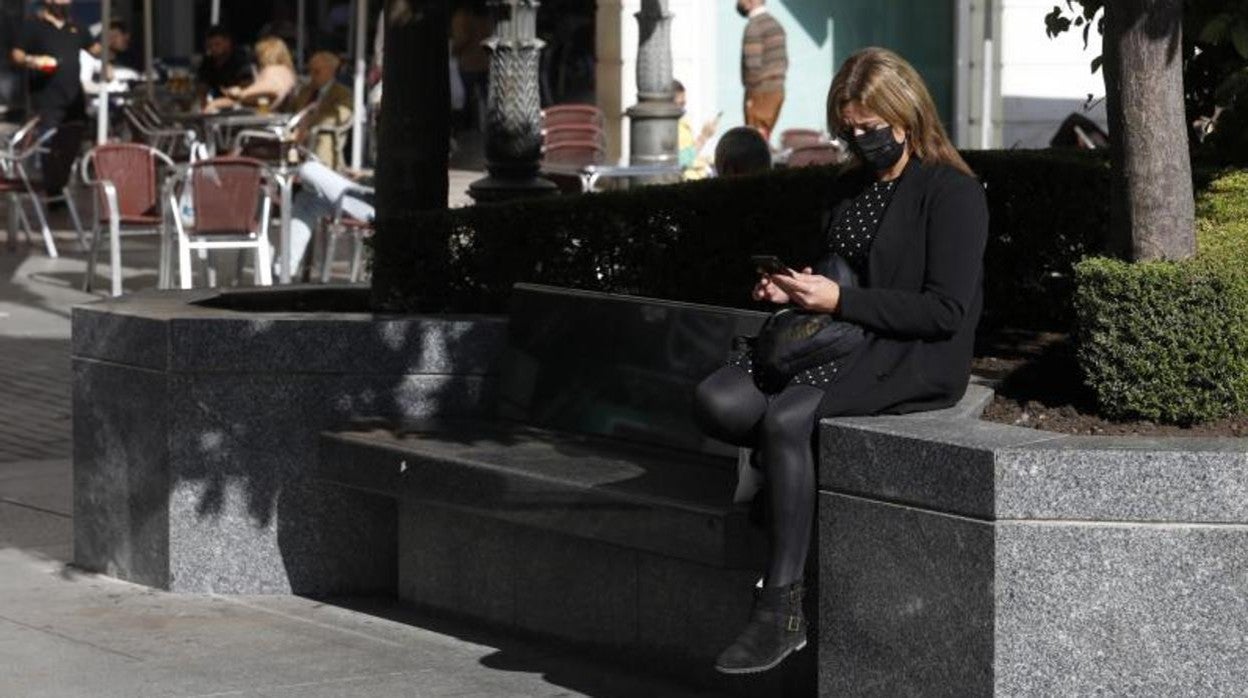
(590,509)
(637,496)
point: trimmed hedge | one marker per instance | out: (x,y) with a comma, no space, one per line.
(1168,341)
(692,241)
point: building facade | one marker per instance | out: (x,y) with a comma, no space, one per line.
(998,81)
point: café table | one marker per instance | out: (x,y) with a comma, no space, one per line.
(590,174)
(216,128)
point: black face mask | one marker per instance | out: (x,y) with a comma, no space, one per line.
(743,12)
(878,148)
(60,12)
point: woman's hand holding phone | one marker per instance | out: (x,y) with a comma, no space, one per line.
(810,291)
(767,290)
(769,266)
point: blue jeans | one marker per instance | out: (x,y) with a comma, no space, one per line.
(322,188)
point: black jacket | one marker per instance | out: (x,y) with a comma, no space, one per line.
(922,297)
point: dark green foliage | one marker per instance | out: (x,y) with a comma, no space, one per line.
(693,241)
(1047,210)
(687,242)
(1168,341)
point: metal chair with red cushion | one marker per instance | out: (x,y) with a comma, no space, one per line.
(15,181)
(565,114)
(574,154)
(270,145)
(818,154)
(342,223)
(565,163)
(231,198)
(798,137)
(127,183)
(566,133)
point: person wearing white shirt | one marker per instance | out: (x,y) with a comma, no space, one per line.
(89,66)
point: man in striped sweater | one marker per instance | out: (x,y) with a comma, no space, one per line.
(764,61)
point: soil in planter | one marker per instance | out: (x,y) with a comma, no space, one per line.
(1039,387)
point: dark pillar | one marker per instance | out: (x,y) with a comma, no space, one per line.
(414,135)
(513,132)
(654,131)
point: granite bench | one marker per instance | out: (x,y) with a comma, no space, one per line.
(589,509)
(967,558)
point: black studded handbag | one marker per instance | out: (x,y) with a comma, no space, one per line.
(793,340)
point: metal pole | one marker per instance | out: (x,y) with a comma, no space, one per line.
(986,89)
(300,38)
(357,110)
(148,53)
(101,116)
(962,45)
(214,16)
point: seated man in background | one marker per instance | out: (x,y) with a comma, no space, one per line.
(333,107)
(742,151)
(224,64)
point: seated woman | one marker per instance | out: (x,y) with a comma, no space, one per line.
(275,79)
(912,222)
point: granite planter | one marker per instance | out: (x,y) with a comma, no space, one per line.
(196,421)
(967,558)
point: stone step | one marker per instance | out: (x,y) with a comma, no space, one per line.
(627,551)
(648,498)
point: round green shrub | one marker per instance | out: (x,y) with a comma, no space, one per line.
(1168,341)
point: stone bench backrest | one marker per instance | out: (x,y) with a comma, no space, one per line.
(614,365)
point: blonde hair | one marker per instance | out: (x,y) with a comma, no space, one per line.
(884,83)
(272,51)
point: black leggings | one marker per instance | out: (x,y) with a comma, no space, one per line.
(731,408)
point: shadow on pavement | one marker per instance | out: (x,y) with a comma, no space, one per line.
(560,664)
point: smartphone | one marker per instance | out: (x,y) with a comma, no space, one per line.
(770,264)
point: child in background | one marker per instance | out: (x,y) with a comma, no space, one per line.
(691,161)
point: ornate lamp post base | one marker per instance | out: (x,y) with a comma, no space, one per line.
(654,121)
(491,189)
(513,137)
(654,133)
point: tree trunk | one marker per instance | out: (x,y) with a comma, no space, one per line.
(414,127)
(1152,210)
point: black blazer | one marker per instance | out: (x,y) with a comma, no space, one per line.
(922,297)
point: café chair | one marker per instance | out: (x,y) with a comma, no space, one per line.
(126,179)
(273,143)
(341,224)
(817,154)
(565,114)
(230,201)
(794,138)
(15,182)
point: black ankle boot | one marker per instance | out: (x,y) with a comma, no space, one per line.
(776,629)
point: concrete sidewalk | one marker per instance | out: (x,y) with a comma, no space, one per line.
(66,633)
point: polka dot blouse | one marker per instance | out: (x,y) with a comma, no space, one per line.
(850,236)
(852,233)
